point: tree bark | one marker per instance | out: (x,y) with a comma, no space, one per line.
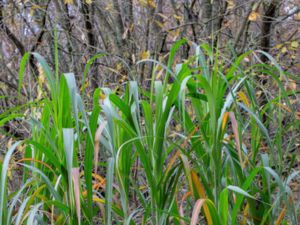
(266,28)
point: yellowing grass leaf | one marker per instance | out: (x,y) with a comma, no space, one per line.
(37,161)
(246,211)
(224,120)
(99,178)
(33,196)
(88,2)
(99,200)
(236,136)
(201,192)
(102,96)
(198,185)
(281,216)
(283,106)
(242,97)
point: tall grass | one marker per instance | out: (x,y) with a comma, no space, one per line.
(182,152)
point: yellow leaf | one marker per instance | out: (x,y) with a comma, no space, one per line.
(246,211)
(281,216)
(161,25)
(108,7)
(284,50)
(202,195)
(231,4)
(68,1)
(31,11)
(146,3)
(119,67)
(242,97)
(278,46)
(177,17)
(297,16)
(151,3)
(224,120)
(295,44)
(145,54)
(253,16)
(88,2)
(102,96)
(163,16)
(283,106)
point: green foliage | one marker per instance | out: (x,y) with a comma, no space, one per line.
(192,145)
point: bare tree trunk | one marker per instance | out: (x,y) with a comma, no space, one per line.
(266,28)
(91,38)
(212,14)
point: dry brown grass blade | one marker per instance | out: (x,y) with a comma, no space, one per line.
(37,161)
(75,175)
(236,137)
(197,208)
(281,216)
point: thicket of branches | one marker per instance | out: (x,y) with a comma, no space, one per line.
(135,29)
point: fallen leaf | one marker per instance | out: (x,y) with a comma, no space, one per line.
(68,1)
(231,4)
(145,54)
(284,50)
(297,16)
(294,44)
(177,17)
(146,3)
(253,16)
(291,85)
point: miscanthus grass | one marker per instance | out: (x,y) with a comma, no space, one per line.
(192,151)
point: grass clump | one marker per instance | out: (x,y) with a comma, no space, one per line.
(185,152)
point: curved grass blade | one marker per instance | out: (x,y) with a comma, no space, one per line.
(3,183)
